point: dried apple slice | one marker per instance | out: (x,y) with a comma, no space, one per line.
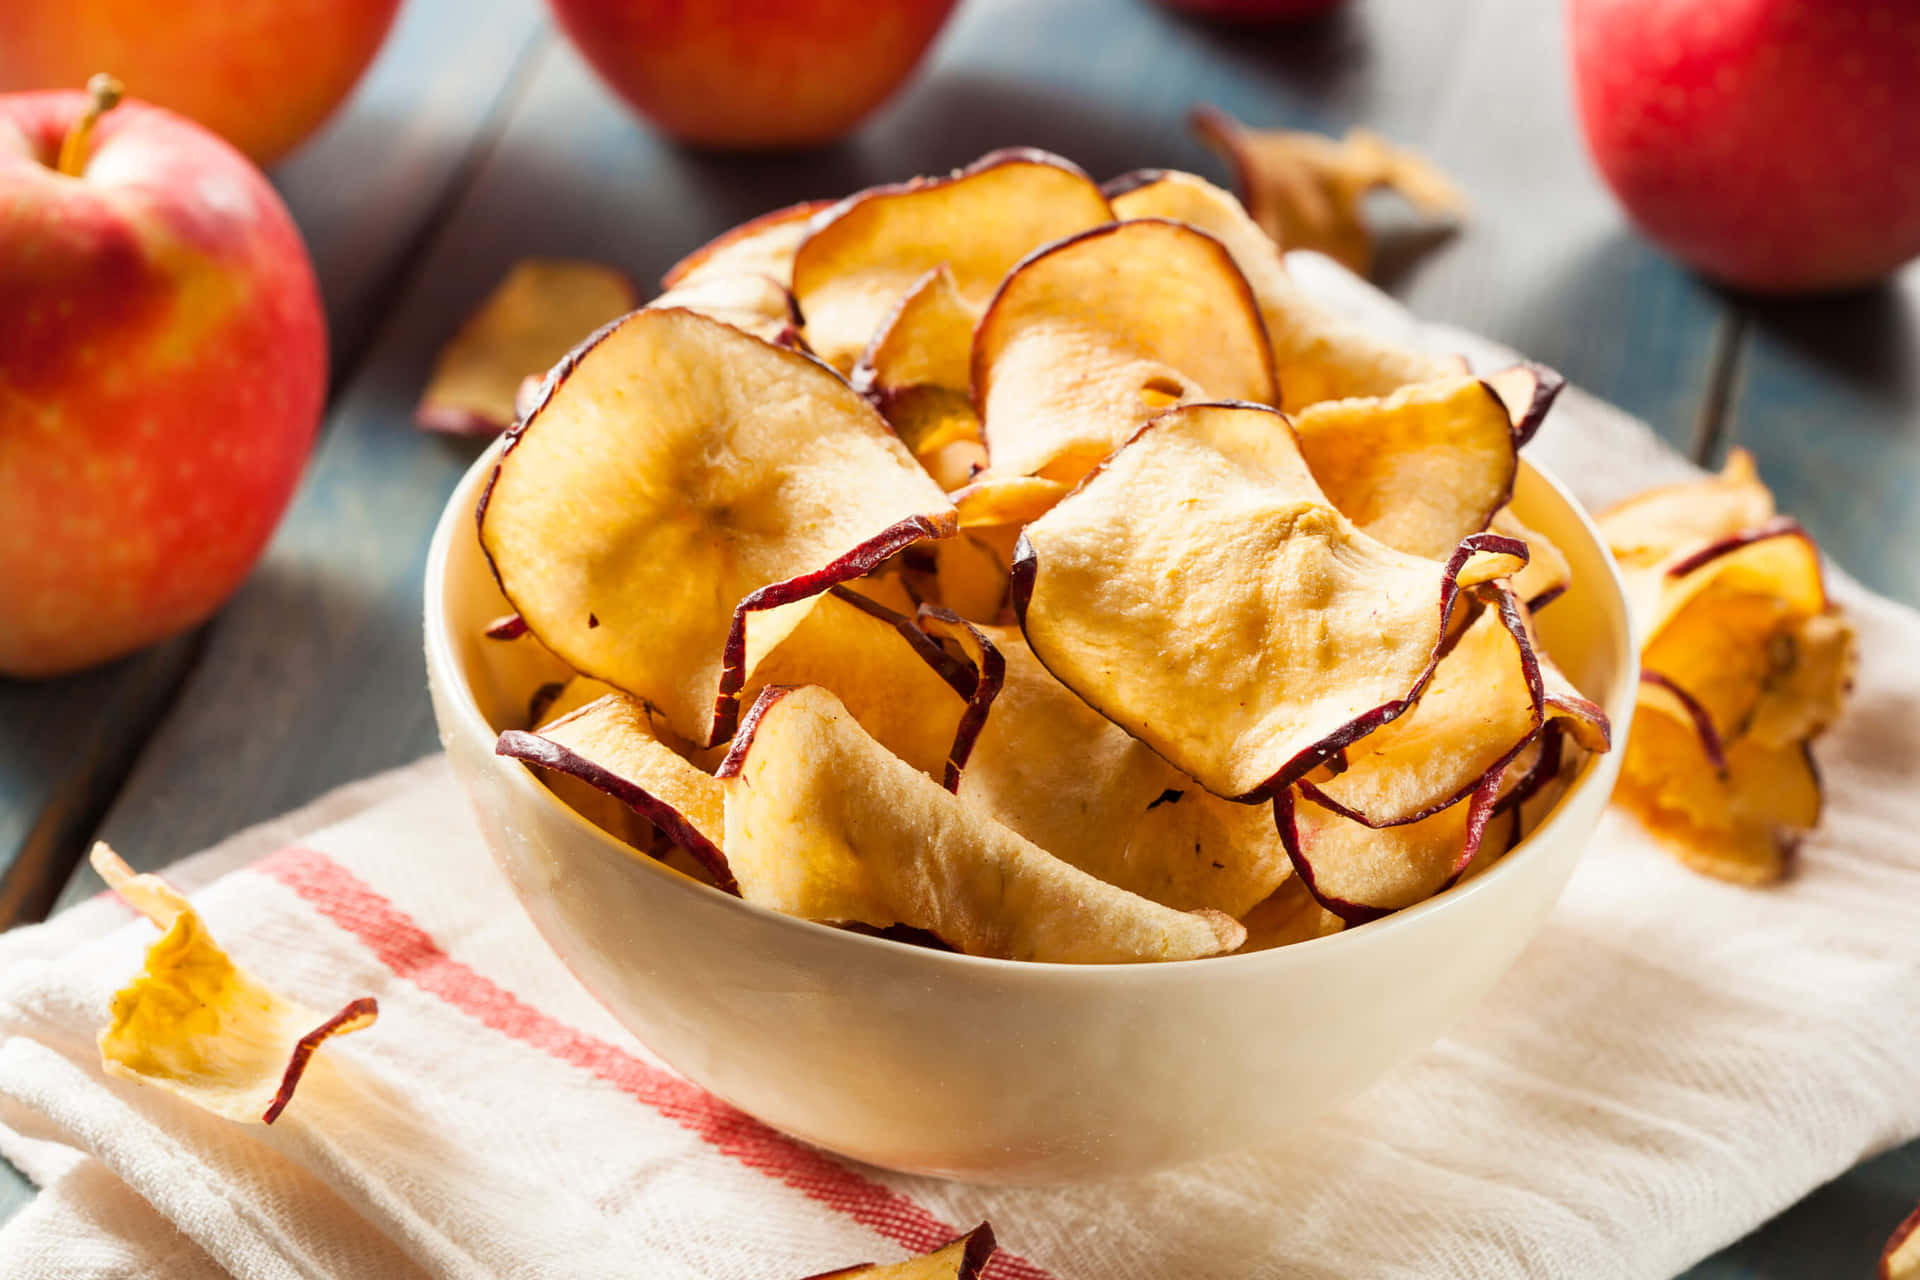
(530,320)
(753,303)
(1547,574)
(1359,873)
(1201,592)
(1809,674)
(1306,190)
(1316,354)
(196,1025)
(1286,916)
(760,246)
(678,476)
(1900,1260)
(1090,337)
(613,746)
(962,1259)
(866,252)
(927,341)
(1421,468)
(1006,500)
(826,824)
(1648,527)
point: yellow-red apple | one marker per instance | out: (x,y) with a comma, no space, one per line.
(162,371)
(753,73)
(263,74)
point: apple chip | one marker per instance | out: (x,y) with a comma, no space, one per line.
(962,1259)
(1650,526)
(1359,873)
(1316,354)
(869,250)
(1547,574)
(530,320)
(755,304)
(825,823)
(678,476)
(1809,674)
(926,342)
(1089,338)
(199,1027)
(762,246)
(1307,191)
(1286,916)
(612,746)
(1201,592)
(1420,469)
(1900,1260)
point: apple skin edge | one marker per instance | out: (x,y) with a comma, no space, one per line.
(356,1014)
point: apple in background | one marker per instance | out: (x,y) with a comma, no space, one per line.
(1772,144)
(752,74)
(263,74)
(1254,10)
(162,371)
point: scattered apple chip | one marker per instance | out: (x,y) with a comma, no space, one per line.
(1090,337)
(613,746)
(755,304)
(531,319)
(962,1259)
(1316,354)
(1900,1260)
(825,823)
(199,1027)
(1809,674)
(1647,528)
(1420,469)
(1307,190)
(868,251)
(762,246)
(678,476)
(1201,592)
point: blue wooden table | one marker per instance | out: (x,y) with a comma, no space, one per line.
(479,137)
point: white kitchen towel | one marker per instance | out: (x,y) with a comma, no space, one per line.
(1672,1061)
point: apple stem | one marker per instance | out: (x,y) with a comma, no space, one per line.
(106,93)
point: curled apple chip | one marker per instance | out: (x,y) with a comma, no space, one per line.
(753,303)
(530,320)
(962,1259)
(825,823)
(678,476)
(761,246)
(1647,528)
(1201,592)
(1421,468)
(926,341)
(612,745)
(1547,574)
(1900,1259)
(199,1027)
(1306,190)
(1316,354)
(1006,500)
(1809,674)
(1090,337)
(1360,873)
(863,254)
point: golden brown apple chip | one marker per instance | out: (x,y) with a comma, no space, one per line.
(1092,336)
(613,746)
(825,823)
(962,1259)
(761,246)
(532,318)
(1547,574)
(1420,469)
(755,304)
(678,476)
(1307,190)
(868,251)
(1003,500)
(1286,916)
(199,1027)
(1201,592)
(926,342)
(1316,354)
(1900,1260)
(1647,528)
(1809,674)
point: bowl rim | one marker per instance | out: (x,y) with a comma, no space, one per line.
(445,671)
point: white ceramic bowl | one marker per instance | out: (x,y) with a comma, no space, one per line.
(993,1070)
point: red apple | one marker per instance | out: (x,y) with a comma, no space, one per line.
(1254,10)
(263,74)
(162,370)
(753,73)
(1772,144)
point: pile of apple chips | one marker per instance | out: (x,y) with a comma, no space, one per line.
(941,563)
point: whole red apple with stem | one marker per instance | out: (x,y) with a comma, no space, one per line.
(1772,144)
(263,74)
(753,73)
(162,371)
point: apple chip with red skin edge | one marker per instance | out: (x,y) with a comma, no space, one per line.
(759,246)
(531,319)
(1201,592)
(677,477)
(990,676)
(1288,915)
(1090,337)
(927,341)
(1307,190)
(826,824)
(1648,527)
(755,304)
(1421,468)
(612,746)
(1317,355)
(1547,574)
(864,253)
(197,1026)
(962,1259)
(1900,1260)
